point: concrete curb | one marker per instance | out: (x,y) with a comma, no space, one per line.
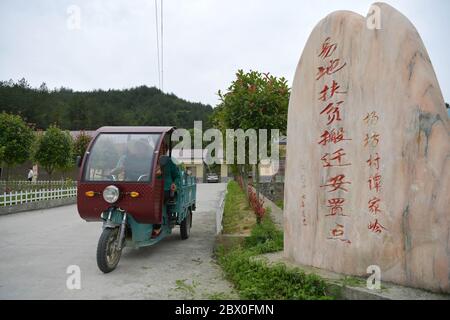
(219,213)
(37,205)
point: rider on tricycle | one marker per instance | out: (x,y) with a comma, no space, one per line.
(129,181)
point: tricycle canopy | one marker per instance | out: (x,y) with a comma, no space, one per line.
(128,159)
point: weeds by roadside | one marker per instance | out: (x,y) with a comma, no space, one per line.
(254,279)
(238,218)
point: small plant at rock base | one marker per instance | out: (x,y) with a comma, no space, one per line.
(265,238)
(254,279)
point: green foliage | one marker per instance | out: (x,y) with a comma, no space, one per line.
(219,296)
(70,110)
(265,237)
(254,279)
(81,143)
(186,288)
(254,100)
(54,150)
(16,139)
(280,203)
(24,186)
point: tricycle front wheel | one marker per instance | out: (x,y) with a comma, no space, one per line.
(108,252)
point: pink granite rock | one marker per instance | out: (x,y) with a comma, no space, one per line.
(368,154)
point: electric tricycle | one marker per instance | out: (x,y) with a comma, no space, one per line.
(129,181)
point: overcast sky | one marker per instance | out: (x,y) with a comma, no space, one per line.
(205,41)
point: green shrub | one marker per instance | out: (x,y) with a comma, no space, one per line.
(254,279)
(265,238)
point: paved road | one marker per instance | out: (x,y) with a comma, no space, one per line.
(36,248)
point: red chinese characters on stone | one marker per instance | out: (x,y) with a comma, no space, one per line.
(336,183)
(336,206)
(334,159)
(374,161)
(327,48)
(371,118)
(374,205)
(333,112)
(376,226)
(333,136)
(332,67)
(338,233)
(331,90)
(331,108)
(375,182)
(371,140)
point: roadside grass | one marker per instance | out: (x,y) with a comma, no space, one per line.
(219,296)
(253,278)
(279,203)
(238,217)
(187,289)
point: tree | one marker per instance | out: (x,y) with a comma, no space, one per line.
(77,110)
(81,143)
(23,83)
(54,150)
(254,100)
(43,87)
(16,140)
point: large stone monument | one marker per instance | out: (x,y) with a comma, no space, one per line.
(368,154)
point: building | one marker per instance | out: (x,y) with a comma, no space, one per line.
(274,170)
(193,160)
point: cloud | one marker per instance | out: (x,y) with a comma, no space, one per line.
(205,41)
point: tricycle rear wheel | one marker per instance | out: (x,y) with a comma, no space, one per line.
(108,253)
(185,226)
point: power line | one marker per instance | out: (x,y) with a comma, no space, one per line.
(162,49)
(157,42)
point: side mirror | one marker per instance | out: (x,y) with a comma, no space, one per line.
(163,160)
(78,161)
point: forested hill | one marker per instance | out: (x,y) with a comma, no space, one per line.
(90,110)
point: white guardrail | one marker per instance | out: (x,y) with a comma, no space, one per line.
(19,197)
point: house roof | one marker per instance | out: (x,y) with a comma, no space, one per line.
(137,129)
(193,155)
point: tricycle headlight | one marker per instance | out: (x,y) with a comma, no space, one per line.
(111,194)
